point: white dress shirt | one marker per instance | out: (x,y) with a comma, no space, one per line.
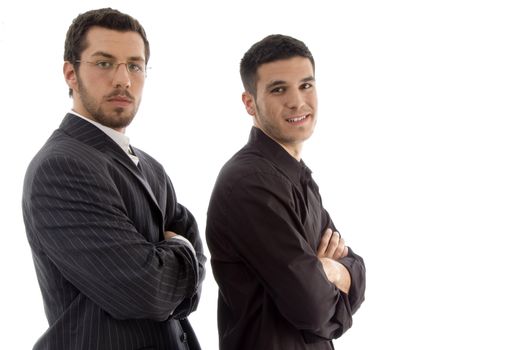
(118,137)
(124,142)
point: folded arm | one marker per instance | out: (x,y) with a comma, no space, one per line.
(331,248)
(268,234)
(182,222)
(78,219)
(338,261)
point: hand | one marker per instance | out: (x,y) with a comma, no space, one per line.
(332,246)
(169,234)
(337,274)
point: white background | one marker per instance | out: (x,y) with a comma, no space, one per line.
(419,150)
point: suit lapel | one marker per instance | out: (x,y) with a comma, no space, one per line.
(92,136)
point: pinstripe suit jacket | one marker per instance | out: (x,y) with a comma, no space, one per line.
(95,224)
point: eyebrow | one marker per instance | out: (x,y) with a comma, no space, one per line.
(275,83)
(108,55)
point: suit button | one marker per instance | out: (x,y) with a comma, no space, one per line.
(183,337)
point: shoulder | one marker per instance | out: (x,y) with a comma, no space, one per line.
(249,163)
(60,147)
(64,157)
(250,172)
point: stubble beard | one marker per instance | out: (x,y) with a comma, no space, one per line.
(277,134)
(119,118)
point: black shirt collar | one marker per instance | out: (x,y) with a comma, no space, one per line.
(273,151)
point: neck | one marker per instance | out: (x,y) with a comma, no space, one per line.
(82,112)
(293,150)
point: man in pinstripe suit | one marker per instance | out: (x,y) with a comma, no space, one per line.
(119,261)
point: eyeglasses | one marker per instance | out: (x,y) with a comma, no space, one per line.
(134,68)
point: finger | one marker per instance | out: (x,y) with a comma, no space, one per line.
(333,245)
(345,251)
(339,252)
(324,242)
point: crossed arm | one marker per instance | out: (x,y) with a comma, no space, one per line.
(300,280)
(76,218)
(331,248)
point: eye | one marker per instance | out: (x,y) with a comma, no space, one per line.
(135,67)
(306,86)
(277,90)
(104,64)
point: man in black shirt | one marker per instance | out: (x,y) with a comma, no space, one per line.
(286,279)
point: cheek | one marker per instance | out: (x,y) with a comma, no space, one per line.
(273,109)
(137,89)
(313,99)
(93,86)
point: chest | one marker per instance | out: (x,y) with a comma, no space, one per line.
(143,200)
(309,211)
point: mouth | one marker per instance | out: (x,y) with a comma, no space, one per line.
(120,100)
(297,119)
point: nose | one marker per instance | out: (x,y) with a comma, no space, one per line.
(121,78)
(295,99)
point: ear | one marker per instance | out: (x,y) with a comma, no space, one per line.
(250,103)
(70,76)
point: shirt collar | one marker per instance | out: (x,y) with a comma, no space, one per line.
(118,137)
(273,151)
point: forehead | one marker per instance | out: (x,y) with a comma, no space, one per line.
(289,70)
(116,43)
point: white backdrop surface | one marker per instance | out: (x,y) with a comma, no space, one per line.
(419,150)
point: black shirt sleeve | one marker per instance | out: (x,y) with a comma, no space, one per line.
(356,267)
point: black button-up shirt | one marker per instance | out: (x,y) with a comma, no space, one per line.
(265,221)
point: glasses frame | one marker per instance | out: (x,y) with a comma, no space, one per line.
(114,66)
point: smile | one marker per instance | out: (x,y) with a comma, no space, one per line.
(297,119)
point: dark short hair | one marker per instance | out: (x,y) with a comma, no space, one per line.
(106,18)
(271,48)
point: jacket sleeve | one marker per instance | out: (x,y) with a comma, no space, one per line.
(181,221)
(266,232)
(79,221)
